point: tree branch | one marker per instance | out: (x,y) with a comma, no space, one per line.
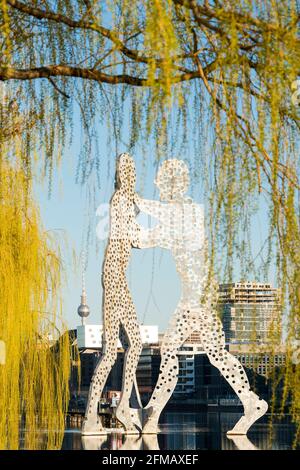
(9,73)
(57,88)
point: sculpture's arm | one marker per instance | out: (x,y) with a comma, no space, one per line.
(154,208)
(151,238)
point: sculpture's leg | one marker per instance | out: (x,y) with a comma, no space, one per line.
(135,397)
(132,355)
(177,332)
(213,341)
(136,411)
(92,424)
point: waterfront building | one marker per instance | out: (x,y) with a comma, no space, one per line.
(186,385)
(90,336)
(250,312)
(259,358)
(211,389)
(148,370)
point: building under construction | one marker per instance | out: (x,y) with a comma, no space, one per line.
(250,312)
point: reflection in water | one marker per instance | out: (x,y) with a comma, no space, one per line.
(150,442)
(119,441)
(93,442)
(242,442)
(192,431)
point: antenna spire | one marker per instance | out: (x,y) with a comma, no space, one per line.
(83,309)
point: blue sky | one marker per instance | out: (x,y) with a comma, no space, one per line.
(70,216)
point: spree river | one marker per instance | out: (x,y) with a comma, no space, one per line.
(193,431)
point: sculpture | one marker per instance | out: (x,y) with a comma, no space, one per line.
(118,309)
(181,229)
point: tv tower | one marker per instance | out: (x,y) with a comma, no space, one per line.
(83,309)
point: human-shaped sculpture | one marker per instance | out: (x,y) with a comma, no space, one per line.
(118,308)
(181,229)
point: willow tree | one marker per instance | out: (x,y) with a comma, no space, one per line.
(34,374)
(219,72)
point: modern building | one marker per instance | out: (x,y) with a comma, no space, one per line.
(212,389)
(186,384)
(262,359)
(89,342)
(250,312)
(148,370)
(90,336)
(251,318)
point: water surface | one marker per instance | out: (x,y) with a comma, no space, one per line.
(193,431)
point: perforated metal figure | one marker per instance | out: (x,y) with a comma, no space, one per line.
(181,230)
(118,309)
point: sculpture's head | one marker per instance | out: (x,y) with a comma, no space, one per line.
(172,180)
(126,176)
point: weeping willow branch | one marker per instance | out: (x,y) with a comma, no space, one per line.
(82,24)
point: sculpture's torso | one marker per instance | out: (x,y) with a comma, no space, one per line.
(122,231)
(185,229)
